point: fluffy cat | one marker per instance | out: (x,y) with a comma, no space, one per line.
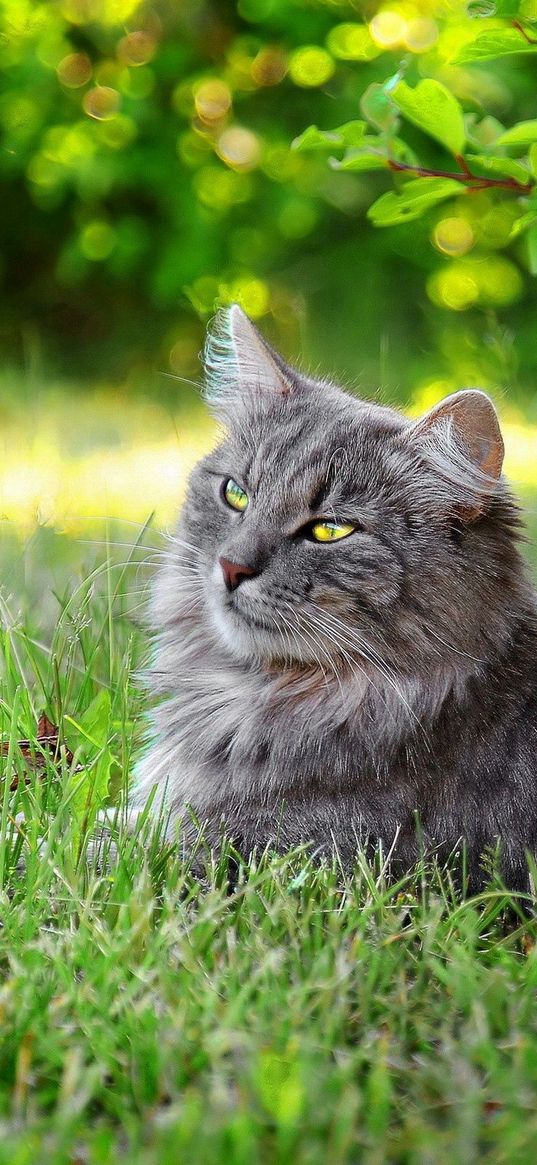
(345,636)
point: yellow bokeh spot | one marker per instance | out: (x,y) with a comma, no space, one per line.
(490,281)
(107,73)
(352,42)
(454,288)
(97,240)
(136,48)
(500,282)
(252,294)
(101,102)
(427,394)
(453,236)
(68,144)
(118,133)
(193,147)
(311,66)
(494,227)
(219,189)
(388,28)
(239,148)
(269,66)
(212,100)
(75,70)
(107,12)
(421,35)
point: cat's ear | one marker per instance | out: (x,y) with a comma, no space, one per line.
(239,364)
(463,440)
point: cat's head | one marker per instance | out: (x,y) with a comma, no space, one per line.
(327,529)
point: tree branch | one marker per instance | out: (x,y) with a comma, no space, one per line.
(466,178)
(519,27)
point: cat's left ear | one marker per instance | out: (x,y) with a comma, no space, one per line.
(239,364)
(462,436)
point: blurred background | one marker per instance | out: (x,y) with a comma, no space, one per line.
(148,176)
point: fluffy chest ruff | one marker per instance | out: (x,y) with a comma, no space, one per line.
(231,741)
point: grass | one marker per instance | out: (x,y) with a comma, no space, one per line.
(148,1018)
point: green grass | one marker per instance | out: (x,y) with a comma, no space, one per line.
(148,1018)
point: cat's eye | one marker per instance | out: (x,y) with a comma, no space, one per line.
(325,531)
(234,495)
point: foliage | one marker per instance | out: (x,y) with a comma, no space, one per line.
(148,174)
(480,146)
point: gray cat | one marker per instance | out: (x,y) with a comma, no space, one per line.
(346,639)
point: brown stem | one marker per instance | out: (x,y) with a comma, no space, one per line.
(520,28)
(473,181)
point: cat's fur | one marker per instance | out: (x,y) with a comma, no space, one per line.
(346,687)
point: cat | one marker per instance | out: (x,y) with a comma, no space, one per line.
(345,634)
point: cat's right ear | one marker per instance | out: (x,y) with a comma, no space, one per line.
(461,438)
(239,365)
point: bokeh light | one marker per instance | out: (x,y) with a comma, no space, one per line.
(388,28)
(239,148)
(421,34)
(490,281)
(159,136)
(212,100)
(253,295)
(453,236)
(352,42)
(136,48)
(101,102)
(75,70)
(310,66)
(97,240)
(269,67)
(220,189)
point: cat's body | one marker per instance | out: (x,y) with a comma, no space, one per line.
(333,693)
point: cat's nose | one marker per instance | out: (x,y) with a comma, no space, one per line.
(235,572)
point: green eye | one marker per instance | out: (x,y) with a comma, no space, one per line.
(235,496)
(331,531)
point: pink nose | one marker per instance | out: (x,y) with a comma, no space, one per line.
(235,573)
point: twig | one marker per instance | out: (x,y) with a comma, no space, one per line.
(520,28)
(473,181)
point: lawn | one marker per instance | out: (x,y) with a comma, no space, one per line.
(146,1018)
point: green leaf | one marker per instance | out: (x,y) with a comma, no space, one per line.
(507,9)
(361,160)
(533,159)
(532,249)
(482,134)
(521,224)
(504,167)
(435,110)
(500,42)
(377,105)
(93,727)
(519,135)
(350,134)
(90,737)
(413,201)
